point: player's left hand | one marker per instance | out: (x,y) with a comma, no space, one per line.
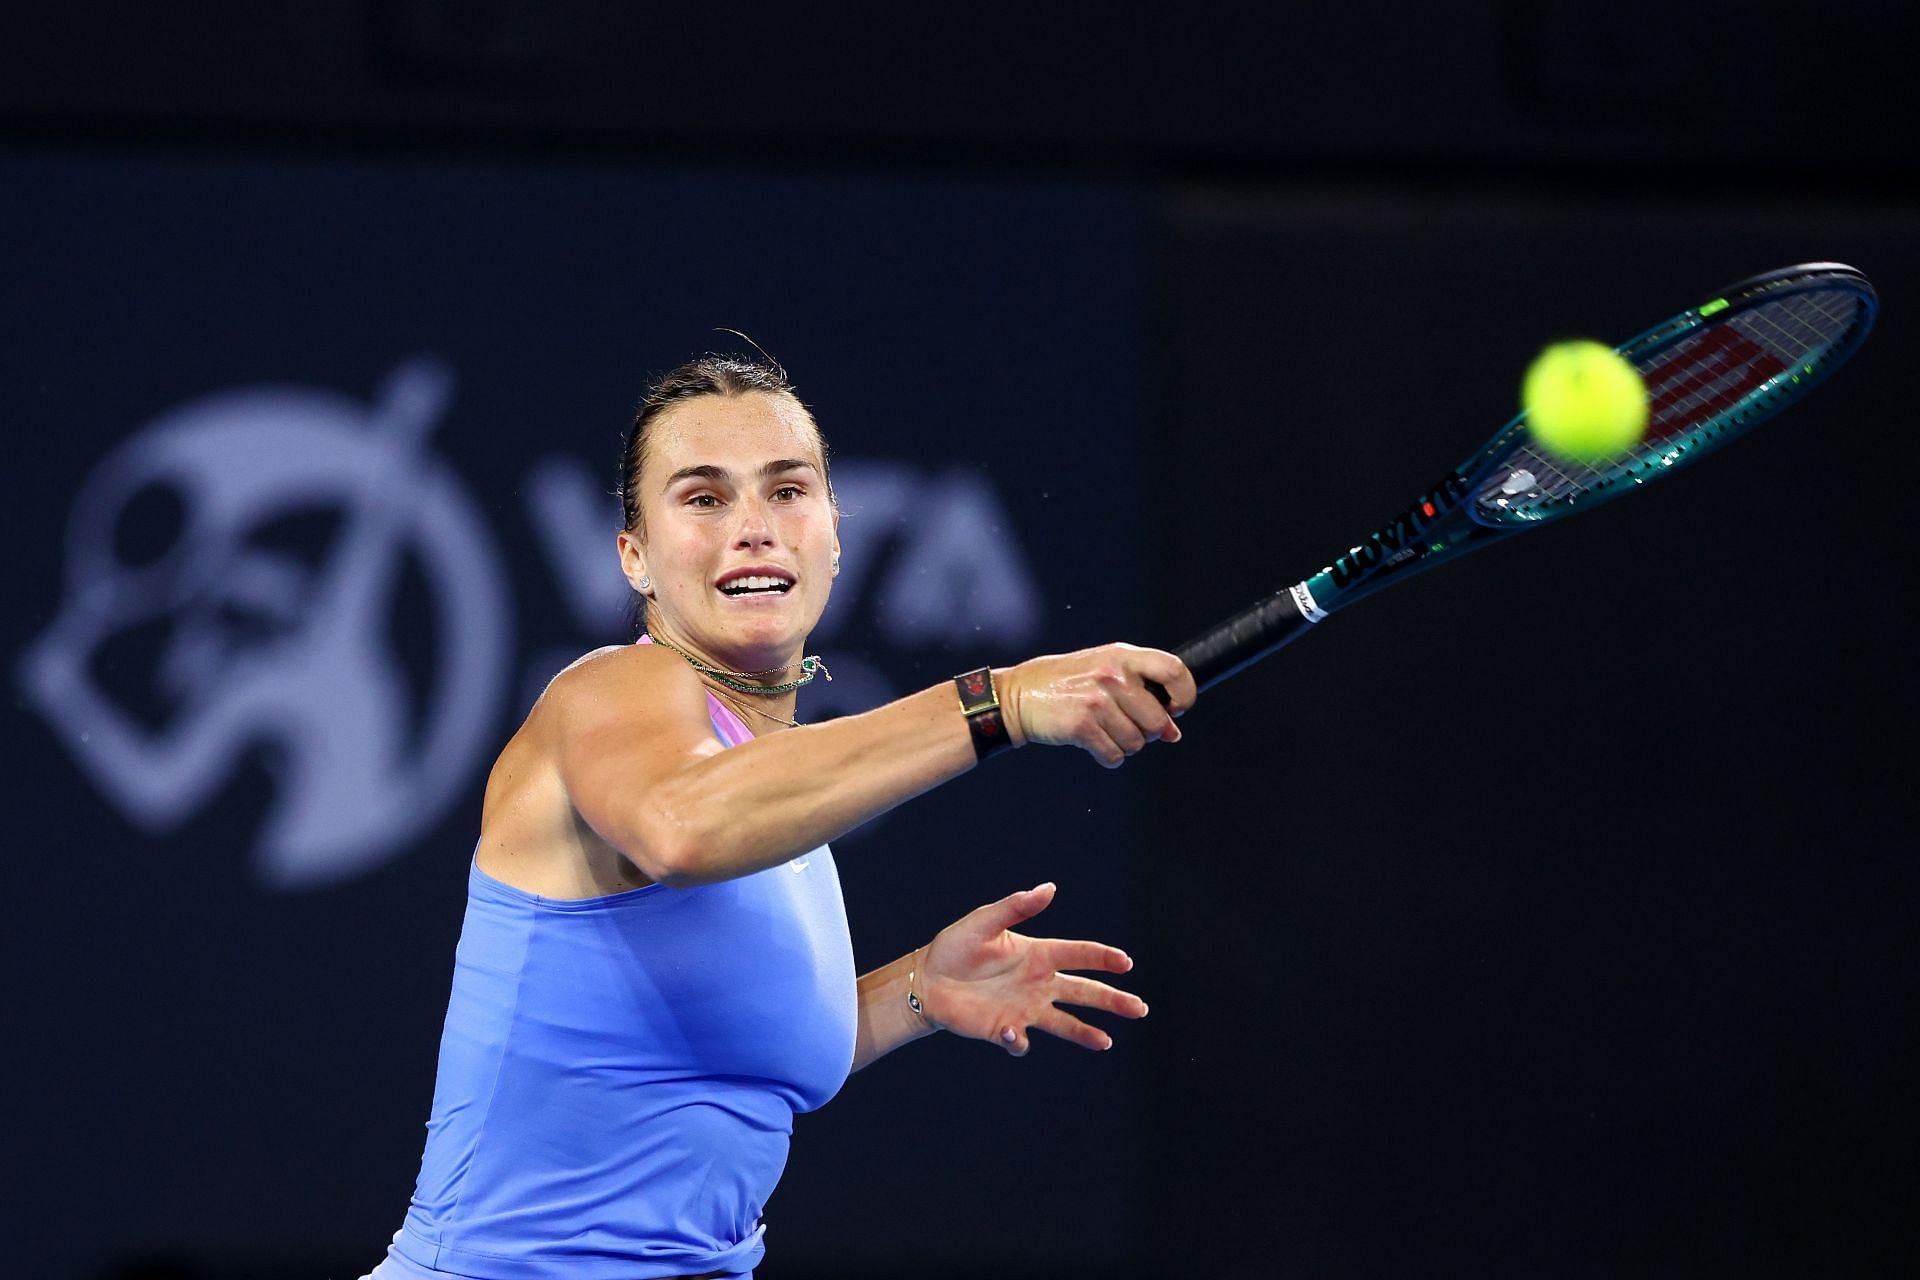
(984,981)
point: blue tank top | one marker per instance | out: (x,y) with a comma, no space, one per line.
(619,1075)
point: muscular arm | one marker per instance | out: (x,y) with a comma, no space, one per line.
(641,767)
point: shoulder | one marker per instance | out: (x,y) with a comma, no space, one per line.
(622,683)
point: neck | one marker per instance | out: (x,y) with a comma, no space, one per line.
(765,696)
(757,665)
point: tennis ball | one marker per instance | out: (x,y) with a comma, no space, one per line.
(1584,401)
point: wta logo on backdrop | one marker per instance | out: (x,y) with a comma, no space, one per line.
(238,569)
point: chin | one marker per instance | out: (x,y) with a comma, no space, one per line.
(776,636)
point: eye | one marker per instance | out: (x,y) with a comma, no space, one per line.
(703,500)
(788,493)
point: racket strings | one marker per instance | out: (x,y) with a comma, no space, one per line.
(1706,388)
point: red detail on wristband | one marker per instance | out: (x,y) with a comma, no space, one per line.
(990,735)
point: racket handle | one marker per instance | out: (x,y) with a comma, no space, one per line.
(1240,641)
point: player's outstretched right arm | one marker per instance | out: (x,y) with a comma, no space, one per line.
(640,765)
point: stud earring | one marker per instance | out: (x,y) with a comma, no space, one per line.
(834,568)
(645,583)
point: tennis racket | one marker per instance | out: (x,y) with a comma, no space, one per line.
(1713,373)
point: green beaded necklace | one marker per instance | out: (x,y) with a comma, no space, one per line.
(809,667)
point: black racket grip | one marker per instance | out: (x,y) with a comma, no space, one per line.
(1239,642)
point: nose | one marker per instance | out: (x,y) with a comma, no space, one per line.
(755,530)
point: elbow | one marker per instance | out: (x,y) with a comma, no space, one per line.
(671,863)
(673,852)
(677,871)
(685,870)
(681,837)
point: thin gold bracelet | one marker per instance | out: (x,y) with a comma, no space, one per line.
(916,1004)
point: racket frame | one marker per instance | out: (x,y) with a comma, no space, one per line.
(1442,523)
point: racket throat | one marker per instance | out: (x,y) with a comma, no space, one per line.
(1402,539)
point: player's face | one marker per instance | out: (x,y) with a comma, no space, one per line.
(739,529)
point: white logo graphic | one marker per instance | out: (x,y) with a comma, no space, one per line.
(260,649)
(1303,601)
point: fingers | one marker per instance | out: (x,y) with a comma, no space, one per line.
(1113,737)
(1089,994)
(1063,1025)
(1145,714)
(1013,908)
(1167,671)
(1125,721)
(1060,955)
(1132,715)
(1085,993)
(1117,720)
(1057,1022)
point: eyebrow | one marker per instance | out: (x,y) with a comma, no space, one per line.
(707,471)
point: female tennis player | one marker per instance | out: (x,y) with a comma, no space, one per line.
(654,973)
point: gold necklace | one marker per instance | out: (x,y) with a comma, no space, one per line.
(736,680)
(747,706)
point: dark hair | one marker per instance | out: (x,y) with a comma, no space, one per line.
(708,375)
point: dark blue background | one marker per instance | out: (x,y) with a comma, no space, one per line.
(1204,292)
(242,1076)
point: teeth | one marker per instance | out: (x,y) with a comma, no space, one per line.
(757,583)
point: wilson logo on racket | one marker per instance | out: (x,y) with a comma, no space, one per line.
(1401,536)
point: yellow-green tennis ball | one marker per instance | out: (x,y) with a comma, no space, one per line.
(1584,401)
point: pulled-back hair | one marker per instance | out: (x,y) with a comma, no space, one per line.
(708,375)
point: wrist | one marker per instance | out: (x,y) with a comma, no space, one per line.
(1008,686)
(917,1010)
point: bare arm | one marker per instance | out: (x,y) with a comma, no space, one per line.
(887,1021)
(641,767)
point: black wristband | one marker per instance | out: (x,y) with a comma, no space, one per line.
(982,709)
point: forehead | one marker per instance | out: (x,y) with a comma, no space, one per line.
(738,433)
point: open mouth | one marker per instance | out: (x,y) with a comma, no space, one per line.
(756,585)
